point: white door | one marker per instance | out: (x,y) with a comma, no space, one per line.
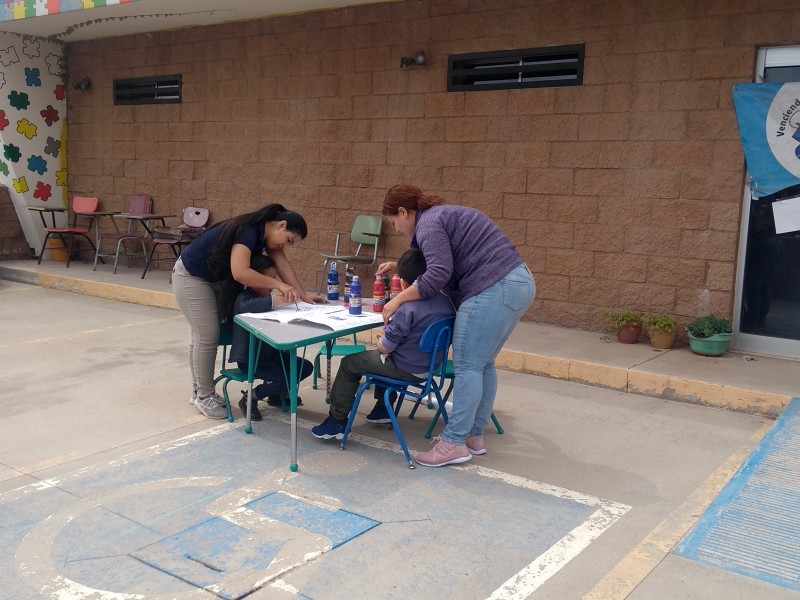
(767,308)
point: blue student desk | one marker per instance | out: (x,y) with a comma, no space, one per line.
(290,337)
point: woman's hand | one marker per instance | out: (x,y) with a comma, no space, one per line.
(389,309)
(387,267)
(314,299)
(289,293)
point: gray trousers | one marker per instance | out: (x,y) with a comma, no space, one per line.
(348,378)
(197,299)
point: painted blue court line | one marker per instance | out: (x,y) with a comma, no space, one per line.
(753,526)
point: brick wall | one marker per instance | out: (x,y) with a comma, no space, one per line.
(622,193)
(12,239)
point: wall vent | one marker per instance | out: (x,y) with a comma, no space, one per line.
(148,90)
(556,66)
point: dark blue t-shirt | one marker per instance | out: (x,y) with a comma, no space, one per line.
(195,255)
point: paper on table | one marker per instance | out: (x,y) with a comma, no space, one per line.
(335,317)
(787,215)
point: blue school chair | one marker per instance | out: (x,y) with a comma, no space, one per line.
(436,342)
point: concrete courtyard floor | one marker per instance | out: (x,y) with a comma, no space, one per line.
(113,486)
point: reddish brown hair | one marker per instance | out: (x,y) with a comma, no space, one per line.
(409,197)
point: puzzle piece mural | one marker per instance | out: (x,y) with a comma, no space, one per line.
(52,147)
(26,128)
(11,152)
(8,56)
(19,100)
(55,64)
(32,78)
(37,164)
(43,191)
(31,48)
(34,97)
(49,114)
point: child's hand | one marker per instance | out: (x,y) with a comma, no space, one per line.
(387,267)
(314,299)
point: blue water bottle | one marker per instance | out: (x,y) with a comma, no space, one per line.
(355,296)
(333,282)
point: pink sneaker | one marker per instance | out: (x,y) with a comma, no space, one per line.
(475,445)
(444,453)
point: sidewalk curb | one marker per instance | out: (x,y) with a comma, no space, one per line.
(108,291)
(633,380)
(653,385)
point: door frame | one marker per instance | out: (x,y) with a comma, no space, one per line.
(747,342)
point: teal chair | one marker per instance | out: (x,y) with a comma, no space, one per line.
(364,237)
(335,350)
(451,375)
(225,374)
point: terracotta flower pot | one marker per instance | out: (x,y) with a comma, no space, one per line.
(629,334)
(662,339)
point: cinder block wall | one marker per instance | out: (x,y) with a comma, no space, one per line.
(12,239)
(623,193)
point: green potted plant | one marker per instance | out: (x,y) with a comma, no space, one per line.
(628,325)
(661,329)
(709,335)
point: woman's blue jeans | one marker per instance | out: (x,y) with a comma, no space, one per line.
(483,324)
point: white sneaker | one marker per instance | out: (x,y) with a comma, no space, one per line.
(212,406)
(193,399)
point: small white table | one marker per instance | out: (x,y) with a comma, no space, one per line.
(290,337)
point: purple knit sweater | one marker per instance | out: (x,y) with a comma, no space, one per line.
(465,250)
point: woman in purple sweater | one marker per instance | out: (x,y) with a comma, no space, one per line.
(471,258)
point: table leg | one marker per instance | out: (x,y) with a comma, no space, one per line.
(293,401)
(329,349)
(251,375)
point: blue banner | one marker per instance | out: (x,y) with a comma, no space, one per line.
(769,125)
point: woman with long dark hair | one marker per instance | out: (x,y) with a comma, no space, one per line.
(469,257)
(214,268)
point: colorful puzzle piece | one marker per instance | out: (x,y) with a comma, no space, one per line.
(11,152)
(26,128)
(20,185)
(60,92)
(8,56)
(61,177)
(32,78)
(52,147)
(31,48)
(19,100)
(37,164)
(49,114)
(43,191)
(3,121)
(4,168)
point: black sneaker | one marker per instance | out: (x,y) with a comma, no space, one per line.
(255,414)
(329,429)
(276,401)
(379,415)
